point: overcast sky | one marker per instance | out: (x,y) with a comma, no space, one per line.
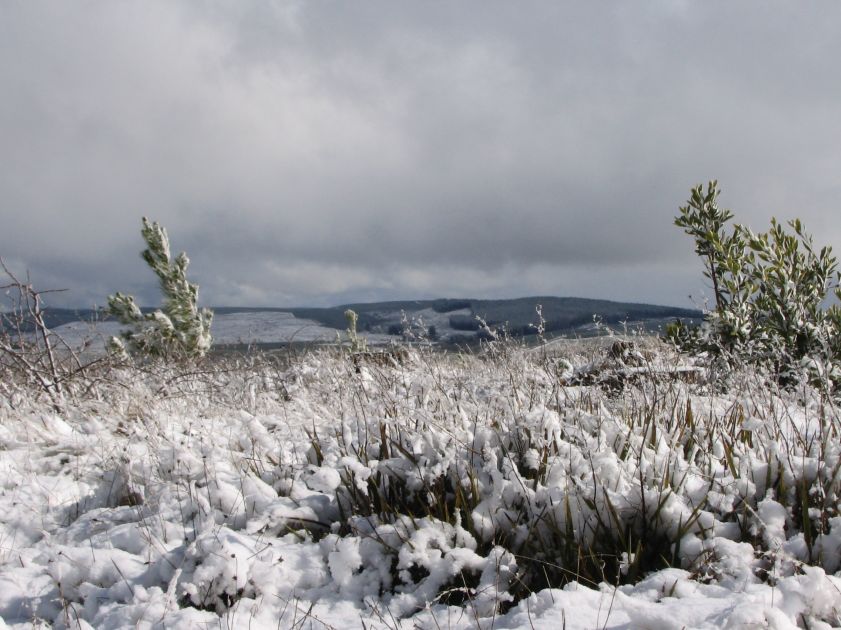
(314,153)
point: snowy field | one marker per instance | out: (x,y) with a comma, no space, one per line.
(230,328)
(422,491)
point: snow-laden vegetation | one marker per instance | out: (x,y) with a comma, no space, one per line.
(180,329)
(587,487)
(776,295)
(617,485)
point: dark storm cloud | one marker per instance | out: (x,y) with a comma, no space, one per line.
(318,152)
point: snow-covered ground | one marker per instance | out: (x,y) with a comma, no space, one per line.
(231,328)
(255,497)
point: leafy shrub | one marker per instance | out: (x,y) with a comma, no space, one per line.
(769,291)
(180,329)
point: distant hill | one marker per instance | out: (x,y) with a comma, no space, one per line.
(457,317)
(451,319)
(55,317)
(562,315)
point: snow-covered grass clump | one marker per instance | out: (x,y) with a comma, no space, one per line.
(508,489)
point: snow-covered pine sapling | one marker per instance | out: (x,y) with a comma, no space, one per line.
(357,343)
(178,330)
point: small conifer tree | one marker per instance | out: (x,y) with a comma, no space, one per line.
(178,330)
(357,343)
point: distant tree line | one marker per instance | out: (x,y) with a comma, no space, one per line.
(448,305)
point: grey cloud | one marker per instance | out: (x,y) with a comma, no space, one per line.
(316,153)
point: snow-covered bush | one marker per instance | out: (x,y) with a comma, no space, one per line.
(769,290)
(579,492)
(357,344)
(443,490)
(180,329)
